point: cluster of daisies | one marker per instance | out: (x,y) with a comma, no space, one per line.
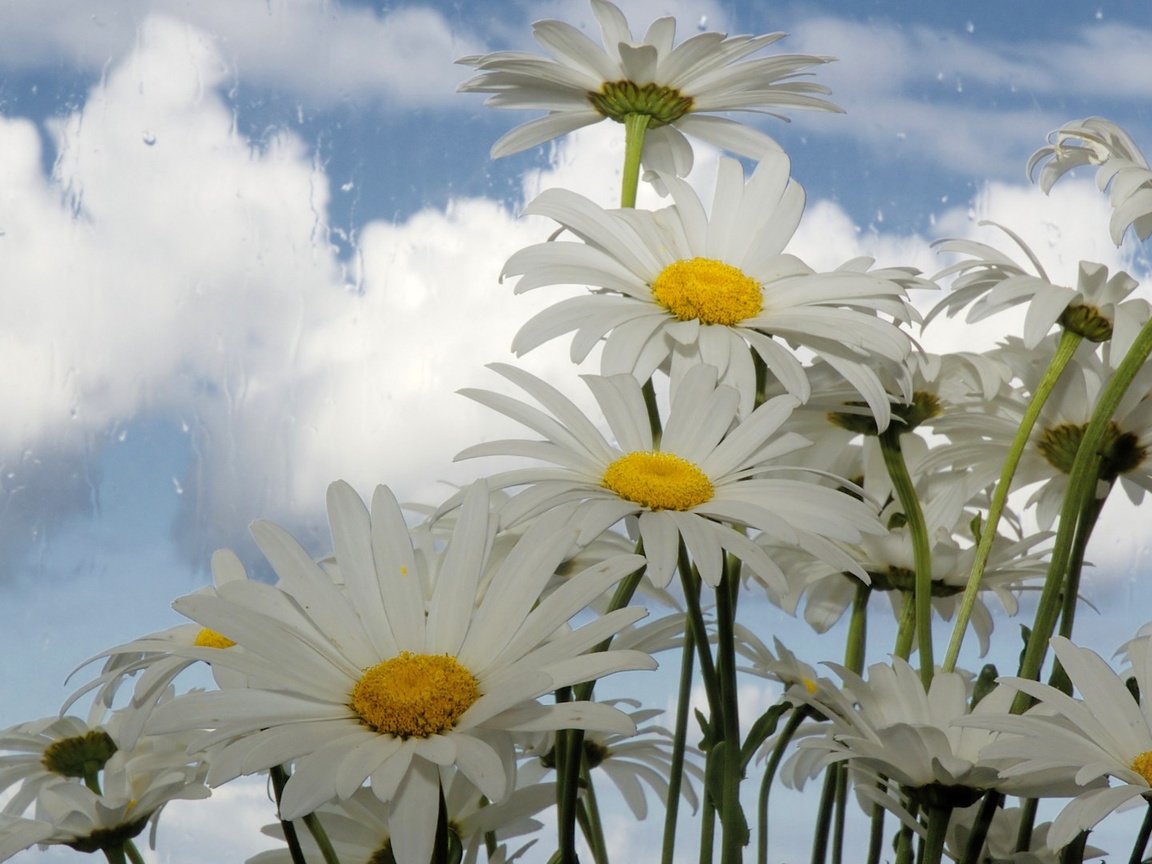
(763,433)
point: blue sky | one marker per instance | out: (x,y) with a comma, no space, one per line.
(247,248)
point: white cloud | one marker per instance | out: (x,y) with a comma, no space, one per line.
(325,52)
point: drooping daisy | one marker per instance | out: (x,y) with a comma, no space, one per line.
(673,86)
(704,473)
(372,682)
(1096,141)
(680,286)
(52,750)
(989,281)
(1105,733)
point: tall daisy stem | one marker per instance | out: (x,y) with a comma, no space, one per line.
(1081,490)
(679,743)
(635,125)
(115,854)
(799,714)
(732,818)
(932,851)
(921,549)
(312,821)
(1142,837)
(279,776)
(1065,350)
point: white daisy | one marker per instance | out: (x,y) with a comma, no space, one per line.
(673,86)
(1097,308)
(679,286)
(373,682)
(1106,733)
(704,473)
(1096,141)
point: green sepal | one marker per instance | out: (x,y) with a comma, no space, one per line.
(761,730)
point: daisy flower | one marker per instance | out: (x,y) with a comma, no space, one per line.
(372,682)
(630,762)
(674,86)
(703,474)
(990,281)
(680,286)
(1106,733)
(42,753)
(1096,141)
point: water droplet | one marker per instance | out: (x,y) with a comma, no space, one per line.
(347,187)
(702,24)
(176,485)
(149,139)
(122,436)
(901,136)
(969,27)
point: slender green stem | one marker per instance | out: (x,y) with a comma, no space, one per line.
(1142,836)
(876,835)
(595,828)
(690,579)
(569,749)
(838,815)
(988,807)
(653,410)
(707,821)
(824,814)
(1073,853)
(635,125)
(115,854)
(312,821)
(731,815)
(921,547)
(1082,481)
(679,743)
(904,837)
(279,777)
(906,629)
(440,847)
(1071,593)
(1065,350)
(798,716)
(933,848)
(857,639)
(133,853)
(1028,807)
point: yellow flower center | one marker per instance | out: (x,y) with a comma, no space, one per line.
(414,695)
(1142,765)
(708,290)
(658,481)
(211,639)
(809,685)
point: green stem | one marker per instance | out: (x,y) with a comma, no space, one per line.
(1073,853)
(1081,487)
(440,847)
(731,815)
(312,821)
(635,125)
(933,849)
(1071,596)
(594,830)
(824,814)
(838,816)
(904,837)
(1142,836)
(115,854)
(690,579)
(905,629)
(876,835)
(279,777)
(921,548)
(569,749)
(1028,807)
(133,853)
(707,821)
(857,638)
(799,715)
(679,743)
(1065,350)
(984,816)
(653,413)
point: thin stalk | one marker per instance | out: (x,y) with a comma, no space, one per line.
(679,743)
(707,822)
(133,853)
(838,816)
(732,844)
(569,749)
(857,639)
(635,125)
(440,847)
(279,776)
(932,851)
(1142,837)
(876,835)
(798,716)
(904,837)
(1071,595)
(312,822)
(1081,486)
(115,854)
(594,830)
(988,807)
(824,814)
(1073,853)
(1028,807)
(1065,350)
(691,582)
(921,548)
(905,629)
(653,410)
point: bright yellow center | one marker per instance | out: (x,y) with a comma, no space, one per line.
(658,481)
(211,639)
(708,290)
(414,695)
(1142,765)
(809,685)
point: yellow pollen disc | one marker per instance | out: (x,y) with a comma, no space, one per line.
(658,481)
(809,685)
(708,290)
(211,639)
(414,695)
(1142,765)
